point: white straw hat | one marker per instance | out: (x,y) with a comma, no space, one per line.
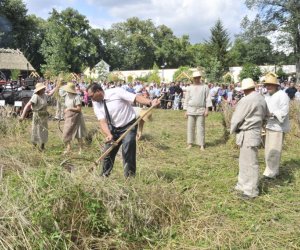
(70,88)
(196,74)
(247,83)
(39,86)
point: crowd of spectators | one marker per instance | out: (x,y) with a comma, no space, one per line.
(174,92)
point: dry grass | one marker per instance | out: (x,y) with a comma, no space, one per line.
(179,199)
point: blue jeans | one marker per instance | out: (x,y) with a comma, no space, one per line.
(128,153)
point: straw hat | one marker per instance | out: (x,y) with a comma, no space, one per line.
(247,83)
(196,74)
(39,86)
(70,88)
(271,79)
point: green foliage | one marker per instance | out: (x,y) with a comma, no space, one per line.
(250,71)
(280,73)
(21,31)
(219,43)
(154,75)
(228,78)
(14,74)
(130,79)
(213,70)
(179,72)
(67,44)
(143,78)
(13,23)
(277,15)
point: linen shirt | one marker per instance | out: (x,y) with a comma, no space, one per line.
(118,102)
(278,104)
(197,98)
(39,103)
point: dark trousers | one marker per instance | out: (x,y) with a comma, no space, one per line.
(128,152)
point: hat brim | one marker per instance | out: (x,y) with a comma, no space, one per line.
(248,88)
(196,76)
(69,90)
(38,89)
(272,83)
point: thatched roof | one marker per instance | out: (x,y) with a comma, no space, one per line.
(14,59)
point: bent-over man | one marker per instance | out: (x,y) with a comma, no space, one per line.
(246,123)
(115,113)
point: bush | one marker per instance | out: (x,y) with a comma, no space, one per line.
(250,71)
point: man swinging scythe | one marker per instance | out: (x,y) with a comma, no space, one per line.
(116,116)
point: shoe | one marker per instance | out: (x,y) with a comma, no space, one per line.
(202,148)
(267,178)
(189,146)
(245,196)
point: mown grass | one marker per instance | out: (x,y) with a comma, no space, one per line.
(179,199)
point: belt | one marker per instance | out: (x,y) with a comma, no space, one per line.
(127,125)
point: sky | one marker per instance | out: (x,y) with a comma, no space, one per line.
(185,17)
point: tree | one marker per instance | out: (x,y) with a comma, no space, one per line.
(213,70)
(154,75)
(257,50)
(20,31)
(68,45)
(219,43)
(130,44)
(13,22)
(278,15)
(238,52)
(250,70)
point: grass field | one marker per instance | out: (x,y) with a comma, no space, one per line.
(179,199)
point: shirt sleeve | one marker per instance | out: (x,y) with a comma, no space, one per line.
(238,117)
(77,101)
(208,98)
(34,99)
(186,99)
(283,111)
(125,95)
(99,110)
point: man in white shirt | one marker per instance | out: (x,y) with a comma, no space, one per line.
(277,124)
(115,113)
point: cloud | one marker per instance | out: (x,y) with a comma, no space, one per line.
(191,17)
(43,8)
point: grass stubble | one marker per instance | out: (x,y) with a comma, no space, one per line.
(179,199)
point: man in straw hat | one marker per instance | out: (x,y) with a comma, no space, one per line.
(277,124)
(196,103)
(246,123)
(115,113)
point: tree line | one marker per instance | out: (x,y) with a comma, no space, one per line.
(66,42)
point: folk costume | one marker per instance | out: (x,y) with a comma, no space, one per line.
(277,125)
(74,126)
(38,102)
(197,100)
(246,123)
